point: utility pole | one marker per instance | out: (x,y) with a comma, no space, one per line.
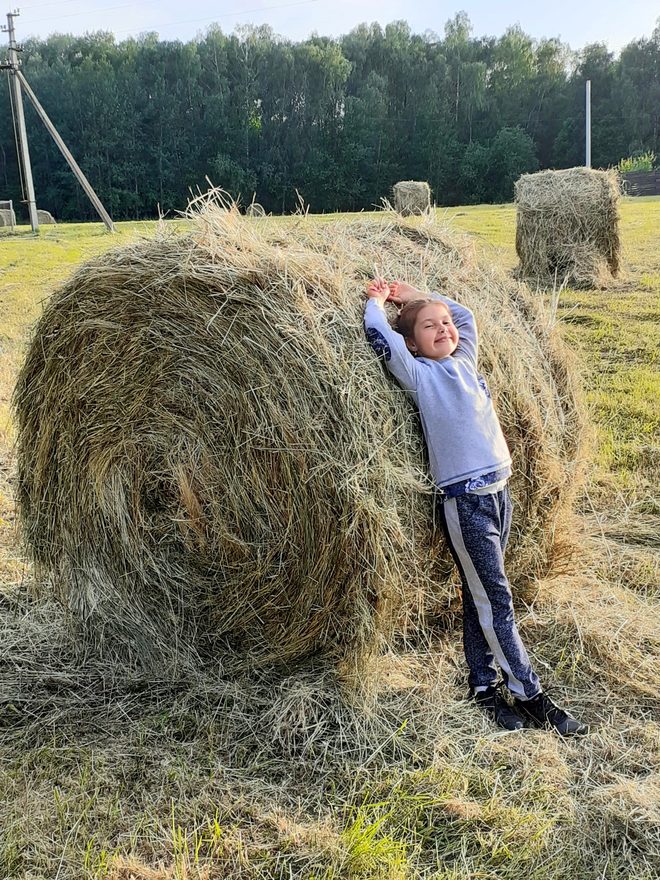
(587,139)
(21,132)
(17,79)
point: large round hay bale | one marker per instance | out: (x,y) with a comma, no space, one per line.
(45,218)
(411,197)
(212,460)
(254,209)
(7,217)
(568,227)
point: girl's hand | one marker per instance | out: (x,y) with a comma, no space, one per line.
(401,293)
(378,289)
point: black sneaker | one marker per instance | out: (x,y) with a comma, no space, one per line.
(542,712)
(497,708)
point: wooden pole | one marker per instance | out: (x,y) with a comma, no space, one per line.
(21,131)
(82,180)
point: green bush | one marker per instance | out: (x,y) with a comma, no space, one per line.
(639,162)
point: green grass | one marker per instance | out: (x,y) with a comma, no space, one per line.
(617,333)
(494,224)
(103,774)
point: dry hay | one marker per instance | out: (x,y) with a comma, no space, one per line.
(45,218)
(212,461)
(411,197)
(568,227)
(254,209)
(7,217)
(634,805)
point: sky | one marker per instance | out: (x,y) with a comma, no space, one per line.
(576,23)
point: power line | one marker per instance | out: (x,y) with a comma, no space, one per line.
(83,12)
(174,23)
(62,3)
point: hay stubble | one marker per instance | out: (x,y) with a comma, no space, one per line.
(105,774)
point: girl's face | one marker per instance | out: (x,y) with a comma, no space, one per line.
(434,333)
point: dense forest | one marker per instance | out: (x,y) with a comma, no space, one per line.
(337,120)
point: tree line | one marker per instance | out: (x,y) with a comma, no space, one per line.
(338,121)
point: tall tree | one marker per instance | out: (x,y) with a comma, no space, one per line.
(338,121)
(638,93)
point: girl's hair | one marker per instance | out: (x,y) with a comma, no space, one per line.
(405,323)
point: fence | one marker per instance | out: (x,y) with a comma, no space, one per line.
(641,183)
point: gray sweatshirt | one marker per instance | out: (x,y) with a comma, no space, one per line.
(461,429)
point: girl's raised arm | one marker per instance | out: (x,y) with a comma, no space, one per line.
(389,344)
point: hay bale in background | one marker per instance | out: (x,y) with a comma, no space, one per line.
(211,458)
(411,197)
(45,218)
(568,227)
(7,217)
(254,209)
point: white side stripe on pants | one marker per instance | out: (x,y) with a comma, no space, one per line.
(481,600)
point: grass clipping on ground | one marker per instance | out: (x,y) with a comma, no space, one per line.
(212,461)
(567,228)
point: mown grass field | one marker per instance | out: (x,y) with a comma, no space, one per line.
(108,776)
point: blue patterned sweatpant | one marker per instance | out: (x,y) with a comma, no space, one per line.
(477,529)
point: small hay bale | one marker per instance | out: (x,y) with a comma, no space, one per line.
(411,197)
(212,462)
(254,209)
(7,217)
(568,227)
(45,218)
